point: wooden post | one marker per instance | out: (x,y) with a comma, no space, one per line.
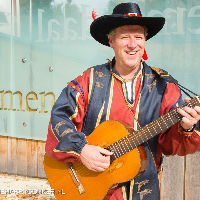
(173,178)
(192,177)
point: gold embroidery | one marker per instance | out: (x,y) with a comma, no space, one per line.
(100,74)
(158,70)
(110,98)
(99,85)
(151,85)
(76,110)
(91,83)
(124,193)
(99,115)
(198,99)
(150,76)
(69,130)
(54,133)
(197,132)
(58,125)
(72,152)
(145,191)
(131,189)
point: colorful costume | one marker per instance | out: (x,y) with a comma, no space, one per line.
(100,94)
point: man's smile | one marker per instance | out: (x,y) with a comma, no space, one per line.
(131,52)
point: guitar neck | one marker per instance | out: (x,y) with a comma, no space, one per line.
(149,131)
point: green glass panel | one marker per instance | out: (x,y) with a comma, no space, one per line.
(44,44)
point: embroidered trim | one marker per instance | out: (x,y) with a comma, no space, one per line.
(76,83)
(145,191)
(72,152)
(131,189)
(76,110)
(58,125)
(136,123)
(159,71)
(54,133)
(197,132)
(110,98)
(99,85)
(116,76)
(198,99)
(124,193)
(91,83)
(149,76)
(69,130)
(176,104)
(151,85)
(100,74)
(99,115)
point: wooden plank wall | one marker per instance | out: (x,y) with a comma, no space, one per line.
(22,156)
(180,177)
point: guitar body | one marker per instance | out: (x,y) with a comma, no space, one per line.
(95,185)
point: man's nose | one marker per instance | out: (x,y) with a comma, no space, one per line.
(132,43)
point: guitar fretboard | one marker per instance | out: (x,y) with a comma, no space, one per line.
(137,138)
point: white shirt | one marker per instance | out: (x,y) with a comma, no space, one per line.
(129,91)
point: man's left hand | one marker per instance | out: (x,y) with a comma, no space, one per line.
(190,115)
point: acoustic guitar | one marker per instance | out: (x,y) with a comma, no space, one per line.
(73,181)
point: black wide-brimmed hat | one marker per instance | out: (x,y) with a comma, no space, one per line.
(124,14)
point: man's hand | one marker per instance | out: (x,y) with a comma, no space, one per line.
(95,158)
(190,116)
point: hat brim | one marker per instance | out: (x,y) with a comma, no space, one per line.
(100,27)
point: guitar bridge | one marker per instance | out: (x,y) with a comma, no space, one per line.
(75,178)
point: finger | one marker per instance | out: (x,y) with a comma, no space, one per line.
(188,120)
(197,109)
(103,161)
(103,165)
(99,169)
(187,99)
(186,123)
(105,152)
(188,113)
(182,112)
(191,112)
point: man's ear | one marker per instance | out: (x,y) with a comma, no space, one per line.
(110,41)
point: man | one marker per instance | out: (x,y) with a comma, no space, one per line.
(126,90)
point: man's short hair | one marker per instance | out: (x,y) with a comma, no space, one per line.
(112,33)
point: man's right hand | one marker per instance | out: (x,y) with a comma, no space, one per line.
(95,158)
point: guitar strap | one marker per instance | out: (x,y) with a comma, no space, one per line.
(165,75)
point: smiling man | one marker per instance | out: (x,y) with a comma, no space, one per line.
(128,43)
(127,90)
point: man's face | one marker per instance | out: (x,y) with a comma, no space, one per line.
(128,43)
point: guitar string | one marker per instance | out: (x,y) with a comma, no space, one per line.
(153,124)
(143,132)
(156,123)
(173,114)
